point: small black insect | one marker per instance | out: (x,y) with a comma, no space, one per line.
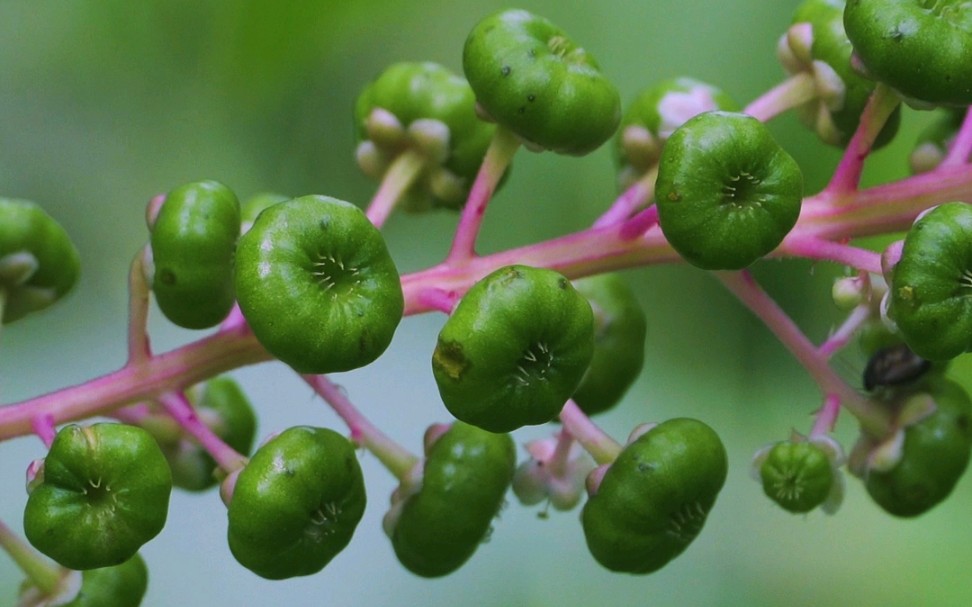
(894,366)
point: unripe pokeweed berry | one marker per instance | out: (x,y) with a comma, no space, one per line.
(105,493)
(221,405)
(921,49)
(934,456)
(416,92)
(727,193)
(797,475)
(514,349)
(654,115)
(317,285)
(116,586)
(620,328)
(842,92)
(531,78)
(193,240)
(38,261)
(653,500)
(465,476)
(931,284)
(296,504)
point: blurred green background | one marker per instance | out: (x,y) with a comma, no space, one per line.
(104,103)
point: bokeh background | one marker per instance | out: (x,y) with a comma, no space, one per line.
(104,103)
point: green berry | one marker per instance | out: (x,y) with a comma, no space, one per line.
(105,493)
(514,349)
(653,500)
(841,92)
(438,526)
(921,48)
(222,406)
(296,504)
(933,457)
(727,193)
(931,284)
(655,114)
(193,241)
(620,328)
(797,475)
(425,108)
(531,78)
(116,586)
(38,261)
(317,285)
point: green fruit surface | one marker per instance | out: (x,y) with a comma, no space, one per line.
(105,493)
(514,349)
(317,285)
(654,499)
(27,228)
(727,193)
(193,241)
(534,80)
(296,504)
(466,474)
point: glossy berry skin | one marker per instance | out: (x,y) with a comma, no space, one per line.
(727,193)
(931,284)
(514,349)
(116,586)
(934,456)
(105,493)
(653,500)
(38,262)
(317,285)
(654,115)
(296,504)
(798,476)
(921,49)
(620,328)
(193,240)
(842,92)
(531,78)
(465,476)
(425,91)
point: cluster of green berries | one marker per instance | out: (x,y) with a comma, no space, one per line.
(316,285)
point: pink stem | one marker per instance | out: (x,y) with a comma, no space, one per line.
(178,407)
(825,250)
(595,441)
(879,107)
(147,380)
(826,416)
(43,426)
(498,156)
(842,336)
(630,200)
(742,285)
(640,223)
(398,178)
(790,93)
(958,155)
(395,458)
(438,299)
